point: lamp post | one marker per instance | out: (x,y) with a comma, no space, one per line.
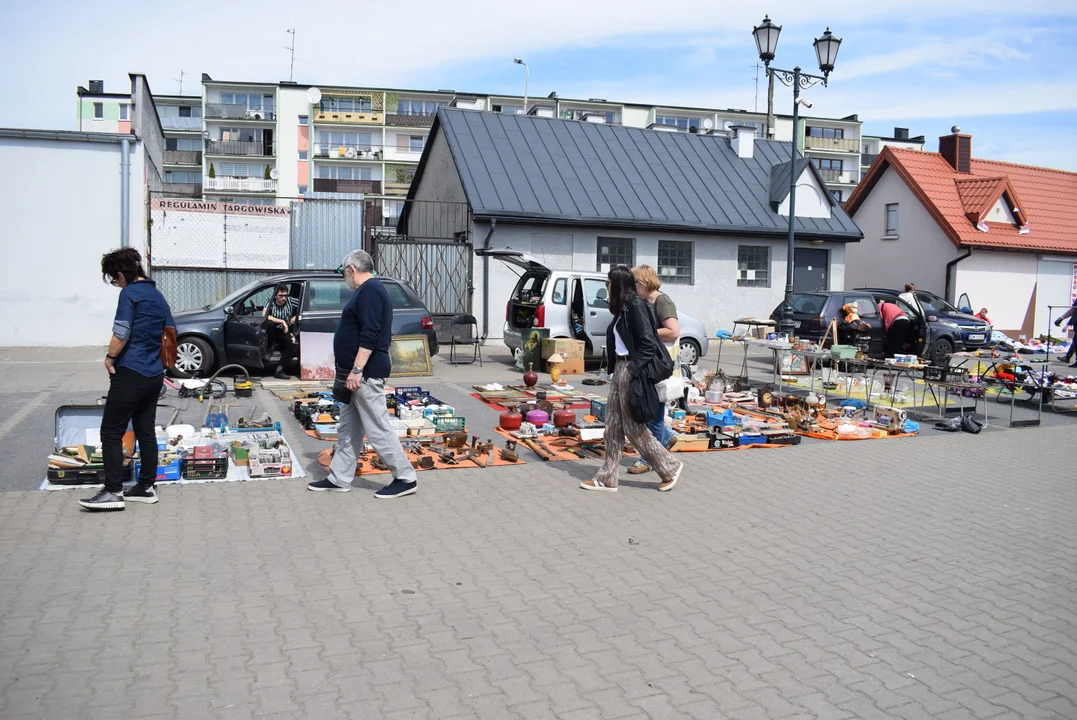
(826,52)
(527,79)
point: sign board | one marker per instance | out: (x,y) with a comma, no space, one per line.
(226,235)
(1073,286)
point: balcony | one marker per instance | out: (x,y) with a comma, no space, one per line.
(183,157)
(832,144)
(188,124)
(221,111)
(409,120)
(239,147)
(248,184)
(349,117)
(838,176)
(396,187)
(184,189)
(867,160)
(347,152)
(366,187)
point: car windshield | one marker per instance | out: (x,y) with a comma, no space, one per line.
(231,298)
(935,304)
(810,304)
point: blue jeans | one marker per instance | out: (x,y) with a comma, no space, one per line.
(658,428)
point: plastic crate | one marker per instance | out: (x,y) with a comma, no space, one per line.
(450,424)
(164,472)
(598,410)
(843,352)
(204,469)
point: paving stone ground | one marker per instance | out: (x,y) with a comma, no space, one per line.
(934,578)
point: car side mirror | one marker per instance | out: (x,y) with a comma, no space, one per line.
(229,311)
(932,318)
(967,310)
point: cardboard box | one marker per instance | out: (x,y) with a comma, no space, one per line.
(569,367)
(569,349)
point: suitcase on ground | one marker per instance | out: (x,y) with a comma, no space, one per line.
(79,425)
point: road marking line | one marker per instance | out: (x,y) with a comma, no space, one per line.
(26,410)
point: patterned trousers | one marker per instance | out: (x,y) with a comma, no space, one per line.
(619,425)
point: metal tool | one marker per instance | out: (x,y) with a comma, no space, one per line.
(508,453)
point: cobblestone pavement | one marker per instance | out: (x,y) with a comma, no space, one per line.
(926,579)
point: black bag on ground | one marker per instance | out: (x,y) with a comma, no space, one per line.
(643,402)
(341,393)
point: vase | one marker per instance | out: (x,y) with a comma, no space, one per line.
(530,377)
(555,372)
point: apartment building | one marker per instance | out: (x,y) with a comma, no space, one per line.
(103,112)
(263,142)
(872,145)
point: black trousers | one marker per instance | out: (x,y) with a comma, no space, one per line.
(283,341)
(898,336)
(132,398)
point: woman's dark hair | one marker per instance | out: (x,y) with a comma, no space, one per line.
(126,262)
(622,285)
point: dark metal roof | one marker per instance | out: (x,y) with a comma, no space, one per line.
(779,179)
(535,169)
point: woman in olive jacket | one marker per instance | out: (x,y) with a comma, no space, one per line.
(631,343)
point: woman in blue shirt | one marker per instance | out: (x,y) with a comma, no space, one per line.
(136,373)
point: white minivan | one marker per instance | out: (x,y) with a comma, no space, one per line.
(573,304)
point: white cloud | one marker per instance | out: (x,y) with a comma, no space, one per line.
(944,53)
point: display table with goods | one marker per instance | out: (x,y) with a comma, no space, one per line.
(1009,377)
(745,329)
(215,453)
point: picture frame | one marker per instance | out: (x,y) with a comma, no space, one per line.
(790,364)
(410,356)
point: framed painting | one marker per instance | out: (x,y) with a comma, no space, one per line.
(410,356)
(316,356)
(790,364)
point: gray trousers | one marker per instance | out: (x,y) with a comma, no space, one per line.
(366,415)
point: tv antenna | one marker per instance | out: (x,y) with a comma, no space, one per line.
(757,67)
(291,48)
(180,80)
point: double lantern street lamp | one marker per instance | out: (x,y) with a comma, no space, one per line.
(826,52)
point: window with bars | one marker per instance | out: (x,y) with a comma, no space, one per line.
(615,251)
(675,262)
(753,266)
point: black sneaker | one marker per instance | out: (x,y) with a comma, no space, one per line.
(104,500)
(280,374)
(326,486)
(139,494)
(395,489)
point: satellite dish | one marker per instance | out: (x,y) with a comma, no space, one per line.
(314,96)
(707,123)
(273,174)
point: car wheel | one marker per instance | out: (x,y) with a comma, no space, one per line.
(690,351)
(940,352)
(194,356)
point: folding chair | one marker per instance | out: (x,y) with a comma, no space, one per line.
(471,338)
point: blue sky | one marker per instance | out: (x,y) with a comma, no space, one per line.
(996,69)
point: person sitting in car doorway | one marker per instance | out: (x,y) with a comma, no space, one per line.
(852,330)
(281,314)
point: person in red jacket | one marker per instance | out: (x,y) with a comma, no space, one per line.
(897,327)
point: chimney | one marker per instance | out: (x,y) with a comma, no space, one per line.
(956,149)
(742,141)
(97,87)
(901,133)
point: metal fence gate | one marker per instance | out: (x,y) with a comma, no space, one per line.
(438,270)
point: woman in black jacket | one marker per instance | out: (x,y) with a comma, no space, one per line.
(631,343)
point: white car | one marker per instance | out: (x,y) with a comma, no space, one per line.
(573,304)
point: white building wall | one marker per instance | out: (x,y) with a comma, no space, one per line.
(920,253)
(714,298)
(1017,289)
(636,117)
(73,225)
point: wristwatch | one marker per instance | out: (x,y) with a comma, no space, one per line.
(356,370)
(111,357)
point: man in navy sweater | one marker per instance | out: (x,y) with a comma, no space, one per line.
(362,342)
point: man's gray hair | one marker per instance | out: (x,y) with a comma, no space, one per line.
(360,260)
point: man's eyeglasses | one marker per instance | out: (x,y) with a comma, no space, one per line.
(341,268)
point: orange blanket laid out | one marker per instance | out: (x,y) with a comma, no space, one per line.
(325,457)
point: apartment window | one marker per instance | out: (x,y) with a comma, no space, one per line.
(683,124)
(302,154)
(125,111)
(242,170)
(333,141)
(822,132)
(235,134)
(359,104)
(189,111)
(837,195)
(184,143)
(344,172)
(183,176)
(822,164)
(98,111)
(675,262)
(753,266)
(252,101)
(891,220)
(418,107)
(304,120)
(416,143)
(508,109)
(615,251)
(302,189)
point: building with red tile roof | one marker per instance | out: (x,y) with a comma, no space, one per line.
(992,234)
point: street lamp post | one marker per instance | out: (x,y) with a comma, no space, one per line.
(826,52)
(527,79)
